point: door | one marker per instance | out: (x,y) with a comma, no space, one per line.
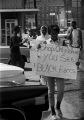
(9,25)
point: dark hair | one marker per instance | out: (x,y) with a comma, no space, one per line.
(25,30)
(54,32)
(73,24)
(55,29)
(16,29)
(44,28)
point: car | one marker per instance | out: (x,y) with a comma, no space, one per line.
(11,114)
(62,35)
(63,30)
(29,100)
(11,73)
(63,39)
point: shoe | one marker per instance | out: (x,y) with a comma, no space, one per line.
(53,117)
(59,113)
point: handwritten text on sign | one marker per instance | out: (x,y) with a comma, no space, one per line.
(57,61)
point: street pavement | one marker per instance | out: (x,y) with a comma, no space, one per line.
(73,102)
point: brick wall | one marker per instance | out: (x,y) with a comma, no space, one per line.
(11,4)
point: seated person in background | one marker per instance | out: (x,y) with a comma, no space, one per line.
(26,38)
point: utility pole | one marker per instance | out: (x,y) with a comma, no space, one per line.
(77,12)
(24,2)
(23,15)
(67,10)
(35,14)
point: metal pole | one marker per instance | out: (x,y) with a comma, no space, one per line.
(36,13)
(67,11)
(0,29)
(52,19)
(34,3)
(77,12)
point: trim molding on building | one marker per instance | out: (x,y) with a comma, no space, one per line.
(19,10)
(0,28)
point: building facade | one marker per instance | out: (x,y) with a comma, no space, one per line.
(14,12)
(51,12)
(82,14)
(61,12)
(24,14)
(73,9)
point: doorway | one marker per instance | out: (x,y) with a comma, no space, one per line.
(9,26)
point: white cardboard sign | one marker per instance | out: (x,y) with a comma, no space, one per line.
(57,61)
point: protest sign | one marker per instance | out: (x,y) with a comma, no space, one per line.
(57,61)
(33,58)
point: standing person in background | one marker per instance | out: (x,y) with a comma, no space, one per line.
(26,38)
(74,34)
(41,39)
(15,54)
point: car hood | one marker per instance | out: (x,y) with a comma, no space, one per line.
(11,73)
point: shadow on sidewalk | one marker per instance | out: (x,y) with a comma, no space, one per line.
(72,119)
(46,115)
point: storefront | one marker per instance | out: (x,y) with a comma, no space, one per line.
(11,17)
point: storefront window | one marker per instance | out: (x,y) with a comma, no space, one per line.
(3,38)
(30,21)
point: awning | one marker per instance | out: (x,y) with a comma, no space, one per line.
(19,10)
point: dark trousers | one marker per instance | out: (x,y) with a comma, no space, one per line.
(17,61)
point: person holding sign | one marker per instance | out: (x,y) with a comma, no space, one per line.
(55,110)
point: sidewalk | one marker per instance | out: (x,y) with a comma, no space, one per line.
(72,107)
(73,102)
